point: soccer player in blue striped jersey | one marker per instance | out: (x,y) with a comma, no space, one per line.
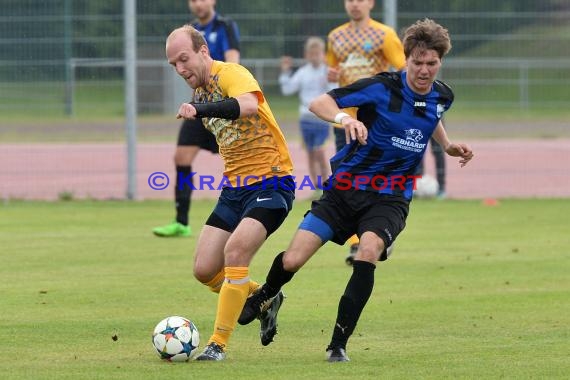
(372,184)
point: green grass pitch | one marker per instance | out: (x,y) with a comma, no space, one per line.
(471,292)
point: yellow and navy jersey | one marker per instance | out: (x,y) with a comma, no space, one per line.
(361,53)
(400,124)
(252,146)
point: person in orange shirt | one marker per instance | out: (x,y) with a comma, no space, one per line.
(258,172)
(358,49)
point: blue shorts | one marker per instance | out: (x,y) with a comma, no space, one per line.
(315,133)
(235,204)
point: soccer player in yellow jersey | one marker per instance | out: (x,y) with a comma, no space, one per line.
(260,189)
(222,35)
(359,49)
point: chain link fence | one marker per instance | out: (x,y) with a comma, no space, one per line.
(65,54)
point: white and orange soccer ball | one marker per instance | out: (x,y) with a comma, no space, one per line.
(175,339)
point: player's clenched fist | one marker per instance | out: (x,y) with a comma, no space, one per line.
(186,111)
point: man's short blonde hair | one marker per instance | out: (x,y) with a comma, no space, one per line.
(195,36)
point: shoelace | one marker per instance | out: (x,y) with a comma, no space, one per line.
(263,302)
(214,349)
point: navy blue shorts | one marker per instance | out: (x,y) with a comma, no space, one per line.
(315,132)
(237,203)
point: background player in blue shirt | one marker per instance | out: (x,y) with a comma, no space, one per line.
(222,36)
(372,182)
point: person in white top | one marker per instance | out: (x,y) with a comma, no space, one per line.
(310,81)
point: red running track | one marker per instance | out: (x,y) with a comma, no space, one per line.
(500,169)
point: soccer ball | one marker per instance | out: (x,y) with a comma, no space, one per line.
(175,339)
(426,187)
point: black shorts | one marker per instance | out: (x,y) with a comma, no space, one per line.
(350,212)
(192,132)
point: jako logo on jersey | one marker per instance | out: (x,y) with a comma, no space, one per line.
(420,104)
(412,141)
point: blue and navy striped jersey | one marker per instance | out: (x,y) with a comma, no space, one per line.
(221,34)
(400,123)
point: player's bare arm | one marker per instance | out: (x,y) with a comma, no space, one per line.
(232,55)
(326,108)
(460,150)
(452,149)
(248,104)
